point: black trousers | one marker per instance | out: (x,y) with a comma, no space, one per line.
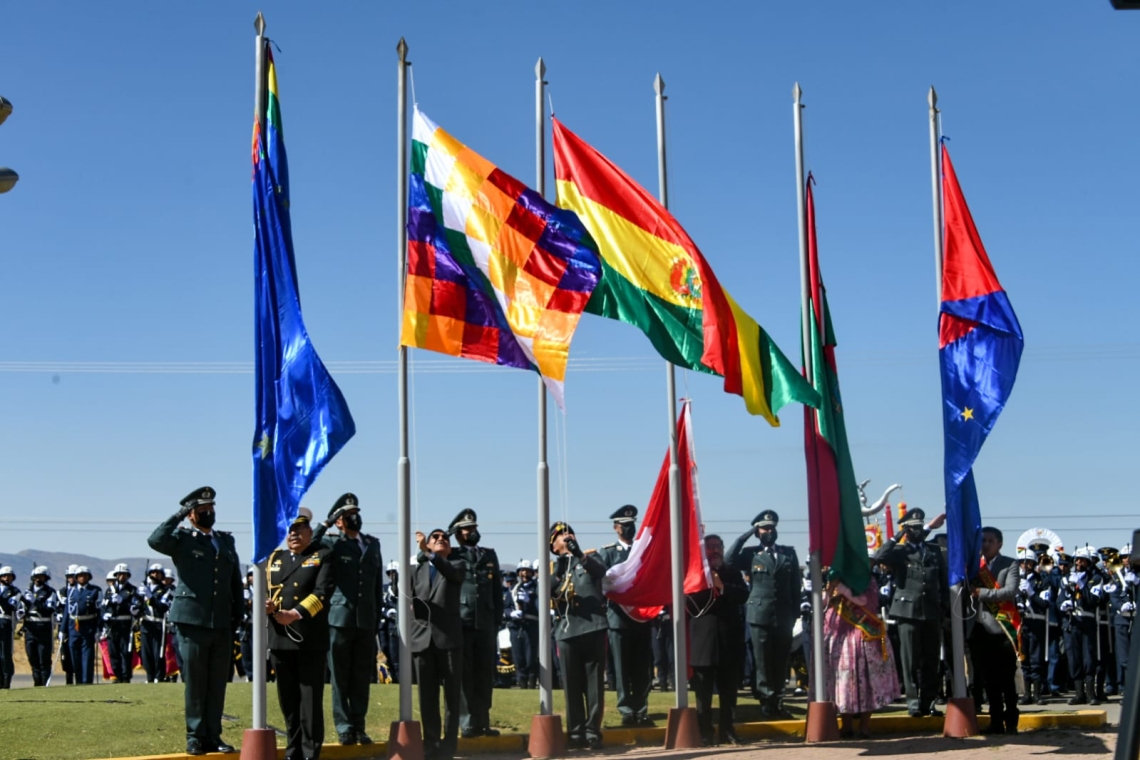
(436,668)
(725,678)
(524,652)
(771,653)
(300,690)
(119,648)
(352,662)
(7,663)
(633,668)
(480,658)
(1123,641)
(920,648)
(206,656)
(663,652)
(389,642)
(1080,646)
(38,643)
(1033,644)
(583,661)
(150,650)
(996,663)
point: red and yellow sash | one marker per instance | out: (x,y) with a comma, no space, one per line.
(867,622)
(1004,612)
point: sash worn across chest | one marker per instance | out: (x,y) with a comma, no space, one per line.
(1004,612)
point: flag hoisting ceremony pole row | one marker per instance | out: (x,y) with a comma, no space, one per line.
(681,731)
(405,740)
(821,719)
(961,719)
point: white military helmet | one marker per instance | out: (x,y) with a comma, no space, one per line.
(1027,555)
(71,569)
(157,566)
(122,567)
(1125,551)
(393,566)
(110,575)
(82,570)
(1085,551)
(41,570)
(524,564)
(7,570)
(168,572)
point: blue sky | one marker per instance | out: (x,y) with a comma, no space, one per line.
(128,249)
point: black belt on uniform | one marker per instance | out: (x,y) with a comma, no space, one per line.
(81,618)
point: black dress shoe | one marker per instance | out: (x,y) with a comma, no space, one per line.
(628,721)
(225,749)
(347,738)
(489,731)
(576,742)
(916,714)
(935,712)
(593,742)
(645,720)
(728,736)
(469,733)
(194,747)
(363,738)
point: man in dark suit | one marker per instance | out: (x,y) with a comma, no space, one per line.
(207,609)
(993,632)
(631,641)
(716,643)
(921,594)
(437,641)
(300,583)
(580,632)
(481,608)
(354,614)
(773,606)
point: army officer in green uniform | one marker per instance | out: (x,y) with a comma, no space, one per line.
(772,608)
(207,608)
(354,610)
(580,630)
(300,583)
(481,608)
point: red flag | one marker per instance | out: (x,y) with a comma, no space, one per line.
(643,583)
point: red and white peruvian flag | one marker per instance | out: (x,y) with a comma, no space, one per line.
(642,584)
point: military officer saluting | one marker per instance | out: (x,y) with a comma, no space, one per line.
(300,584)
(921,595)
(40,603)
(481,608)
(207,609)
(630,641)
(354,615)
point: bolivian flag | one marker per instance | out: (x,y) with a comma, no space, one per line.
(654,277)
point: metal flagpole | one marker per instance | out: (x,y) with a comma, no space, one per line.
(545,674)
(260,622)
(403,466)
(681,731)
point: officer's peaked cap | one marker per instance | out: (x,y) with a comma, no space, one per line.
(465,519)
(913,517)
(557,529)
(766,519)
(304,517)
(347,500)
(626,514)
(198,497)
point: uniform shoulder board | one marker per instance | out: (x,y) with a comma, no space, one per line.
(223,533)
(609,546)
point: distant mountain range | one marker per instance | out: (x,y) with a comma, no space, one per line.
(57,562)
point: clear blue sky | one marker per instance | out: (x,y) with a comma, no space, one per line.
(127,246)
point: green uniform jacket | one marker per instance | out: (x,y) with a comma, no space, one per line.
(304,584)
(358,580)
(921,590)
(209,591)
(610,555)
(576,595)
(481,596)
(774,599)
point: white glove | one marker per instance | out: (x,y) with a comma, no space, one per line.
(1127,608)
(116,599)
(1077,578)
(1046,595)
(145,592)
(516,614)
(29,597)
(1066,606)
(805,607)
(106,615)
(1131,577)
(1026,587)
(135,610)
(523,596)
(391,614)
(807,585)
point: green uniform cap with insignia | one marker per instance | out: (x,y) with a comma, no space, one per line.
(347,500)
(914,517)
(465,519)
(625,514)
(556,530)
(198,497)
(766,519)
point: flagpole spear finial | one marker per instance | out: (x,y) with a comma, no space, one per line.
(259,24)
(402,50)
(797,92)
(540,68)
(659,84)
(932,98)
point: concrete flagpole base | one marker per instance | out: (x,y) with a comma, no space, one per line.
(546,737)
(961,721)
(259,744)
(405,742)
(681,730)
(822,722)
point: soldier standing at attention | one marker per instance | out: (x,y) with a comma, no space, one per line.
(921,595)
(773,606)
(120,607)
(630,641)
(207,609)
(11,607)
(481,607)
(83,617)
(580,632)
(152,625)
(354,615)
(300,583)
(522,621)
(40,602)
(389,633)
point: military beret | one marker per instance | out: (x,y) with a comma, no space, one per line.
(304,517)
(465,519)
(198,497)
(766,519)
(913,517)
(347,500)
(556,530)
(626,514)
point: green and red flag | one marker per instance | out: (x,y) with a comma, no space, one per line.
(835,519)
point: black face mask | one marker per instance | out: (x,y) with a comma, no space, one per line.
(353,522)
(627,532)
(205,520)
(915,535)
(472,537)
(769,538)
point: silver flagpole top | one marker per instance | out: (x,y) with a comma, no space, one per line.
(402,50)
(540,68)
(932,97)
(659,84)
(797,92)
(259,24)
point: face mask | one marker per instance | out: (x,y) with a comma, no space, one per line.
(473,537)
(915,535)
(205,520)
(627,532)
(767,539)
(353,522)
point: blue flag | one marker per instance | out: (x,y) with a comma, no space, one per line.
(302,418)
(980,345)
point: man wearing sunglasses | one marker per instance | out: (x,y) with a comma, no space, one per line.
(437,641)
